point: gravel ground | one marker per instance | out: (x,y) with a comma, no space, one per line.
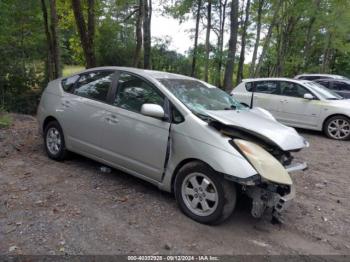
(48,207)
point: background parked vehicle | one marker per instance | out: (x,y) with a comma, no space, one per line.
(299,103)
(177,132)
(340,86)
(312,77)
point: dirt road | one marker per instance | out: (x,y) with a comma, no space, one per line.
(48,207)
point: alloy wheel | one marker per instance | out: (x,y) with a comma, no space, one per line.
(53,141)
(339,128)
(199,194)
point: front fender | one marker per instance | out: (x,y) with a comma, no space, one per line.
(232,164)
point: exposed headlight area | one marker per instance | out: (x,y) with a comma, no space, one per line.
(264,163)
(274,189)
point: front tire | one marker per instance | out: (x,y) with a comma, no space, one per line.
(54,141)
(203,195)
(338,128)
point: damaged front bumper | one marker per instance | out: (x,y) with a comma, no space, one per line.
(269,197)
(272,187)
(294,167)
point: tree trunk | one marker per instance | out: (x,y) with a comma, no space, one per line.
(193,69)
(281,50)
(49,67)
(244,35)
(309,34)
(231,46)
(268,38)
(257,41)
(147,34)
(207,42)
(285,41)
(54,69)
(91,30)
(86,34)
(221,40)
(139,23)
(327,54)
(55,42)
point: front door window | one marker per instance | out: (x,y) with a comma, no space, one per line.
(133,92)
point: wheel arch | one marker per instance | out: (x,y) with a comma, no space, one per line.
(330,116)
(47,120)
(183,163)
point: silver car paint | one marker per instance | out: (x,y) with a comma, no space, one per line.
(191,139)
(286,137)
(314,112)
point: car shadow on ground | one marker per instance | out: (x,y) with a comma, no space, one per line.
(115,176)
(311,132)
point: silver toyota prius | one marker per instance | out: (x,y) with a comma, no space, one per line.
(177,132)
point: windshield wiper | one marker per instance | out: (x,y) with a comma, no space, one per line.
(232,107)
(201,116)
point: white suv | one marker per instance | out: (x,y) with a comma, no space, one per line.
(313,77)
(298,103)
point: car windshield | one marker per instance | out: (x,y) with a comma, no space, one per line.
(198,96)
(322,91)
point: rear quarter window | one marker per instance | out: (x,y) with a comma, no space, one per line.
(249,86)
(68,83)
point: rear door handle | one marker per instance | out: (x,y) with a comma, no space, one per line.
(112,118)
(66,103)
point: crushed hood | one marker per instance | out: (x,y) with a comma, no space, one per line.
(255,121)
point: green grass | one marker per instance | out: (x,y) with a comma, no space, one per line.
(5,120)
(71,69)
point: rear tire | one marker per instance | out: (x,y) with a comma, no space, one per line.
(337,127)
(203,195)
(54,141)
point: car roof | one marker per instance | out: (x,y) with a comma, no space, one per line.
(331,80)
(322,75)
(139,71)
(298,81)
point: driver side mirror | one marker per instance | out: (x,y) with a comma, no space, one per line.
(309,96)
(153,110)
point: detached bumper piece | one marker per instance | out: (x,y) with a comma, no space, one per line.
(277,198)
(294,167)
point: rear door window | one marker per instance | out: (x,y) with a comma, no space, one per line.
(94,85)
(267,87)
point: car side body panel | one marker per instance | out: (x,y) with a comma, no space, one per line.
(190,141)
(297,112)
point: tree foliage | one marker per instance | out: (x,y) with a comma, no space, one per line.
(279,38)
